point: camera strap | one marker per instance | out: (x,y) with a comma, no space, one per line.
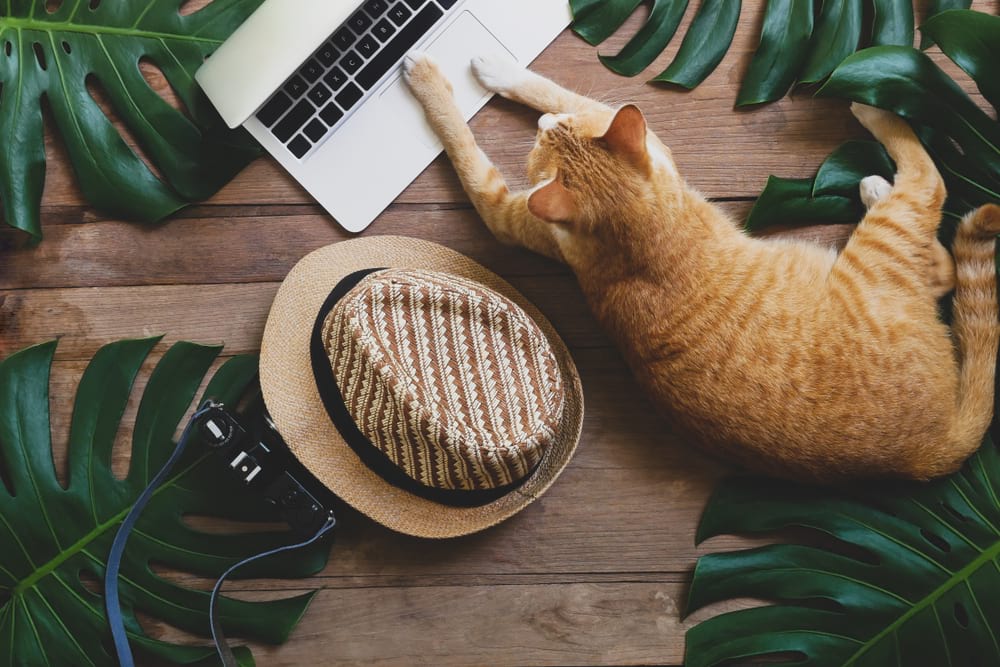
(111,596)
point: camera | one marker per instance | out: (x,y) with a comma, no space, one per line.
(254,453)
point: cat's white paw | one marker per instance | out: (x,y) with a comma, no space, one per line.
(874,189)
(498,74)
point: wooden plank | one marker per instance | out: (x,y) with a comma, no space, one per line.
(256,248)
(508,625)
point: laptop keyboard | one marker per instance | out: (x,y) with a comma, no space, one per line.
(339,74)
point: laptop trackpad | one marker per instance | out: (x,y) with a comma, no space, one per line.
(453,50)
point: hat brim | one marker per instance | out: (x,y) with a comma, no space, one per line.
(290,393)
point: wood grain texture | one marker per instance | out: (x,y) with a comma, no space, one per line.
(595,572)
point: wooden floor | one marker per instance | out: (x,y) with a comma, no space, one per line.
(592,574)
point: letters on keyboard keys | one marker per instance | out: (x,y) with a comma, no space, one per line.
(351,62)
(343,38)
(376,8)
(399,13)
(327,54)
(393,52)
(312,70)
(384,30)
(335,78)
(366,48)
(359,23)
(319,95)
(296,87)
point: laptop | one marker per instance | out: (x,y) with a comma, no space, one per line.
(318,83)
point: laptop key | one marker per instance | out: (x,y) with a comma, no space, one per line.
(312,70)
(359,23)
(272,111)
(331,114)
(368,46)
(320,95)
(344,38)
(299,146)
(335,78)
(384,30)
(399,13)
(393,52)
(447,4)
(376,8)
(352,62)
(315,130)
(416,4)
(327,54)
(296,87)
(293,120)
(349,96)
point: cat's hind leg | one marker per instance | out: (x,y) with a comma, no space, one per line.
(895,245)
(505,213)
(941,272)
(510,80)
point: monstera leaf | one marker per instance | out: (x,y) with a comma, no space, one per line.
(907,574)
(795,45)
(961,137)
(56,539)
(61,59)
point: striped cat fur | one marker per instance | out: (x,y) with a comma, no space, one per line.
(781,356)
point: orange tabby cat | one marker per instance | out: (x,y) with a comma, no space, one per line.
(780,355)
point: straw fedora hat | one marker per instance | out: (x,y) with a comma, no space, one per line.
(417,386)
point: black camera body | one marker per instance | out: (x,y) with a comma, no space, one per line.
(256,455)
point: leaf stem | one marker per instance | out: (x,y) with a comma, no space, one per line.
(961,576)
(65,26)
(82,543)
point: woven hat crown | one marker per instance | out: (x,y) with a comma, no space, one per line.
(454,383)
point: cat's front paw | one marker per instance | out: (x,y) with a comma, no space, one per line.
(425,77)
(500,75)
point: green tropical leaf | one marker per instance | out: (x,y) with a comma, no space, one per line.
(843,170)
(595,21)
(784,44)
(55,537)
(892,23)
(972,41)
(907,82)
(62,56)
(838,30)
(790,201)
(651,39)
(908,574)
(935,7)
(705,43)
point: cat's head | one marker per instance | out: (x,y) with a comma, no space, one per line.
(594,171)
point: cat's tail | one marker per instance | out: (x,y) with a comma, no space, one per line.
(976,328)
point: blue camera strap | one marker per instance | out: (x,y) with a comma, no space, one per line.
(111,597)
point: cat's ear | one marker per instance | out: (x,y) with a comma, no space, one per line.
(627,134)
(552,202)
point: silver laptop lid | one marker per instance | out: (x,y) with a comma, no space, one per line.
(263,52)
